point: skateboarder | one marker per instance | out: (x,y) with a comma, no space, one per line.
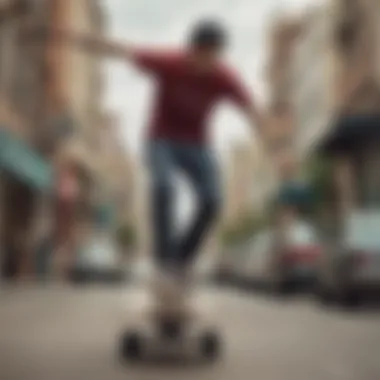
(190,82)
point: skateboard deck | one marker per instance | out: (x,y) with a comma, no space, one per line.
(174,318)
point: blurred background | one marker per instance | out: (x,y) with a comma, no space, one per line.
(302,213)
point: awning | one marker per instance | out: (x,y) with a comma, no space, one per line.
(352,132)
(295,194)
(19,159)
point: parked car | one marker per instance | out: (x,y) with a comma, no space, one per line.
(278,263)
(350,270)
(98,261)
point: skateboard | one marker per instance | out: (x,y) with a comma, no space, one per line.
(171,325)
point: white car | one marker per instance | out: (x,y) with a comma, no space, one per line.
(351,269)
(98,260)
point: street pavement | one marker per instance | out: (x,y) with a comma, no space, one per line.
(59,332)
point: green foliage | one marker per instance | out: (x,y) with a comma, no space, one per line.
(318,173)
(245,228)
(319,176)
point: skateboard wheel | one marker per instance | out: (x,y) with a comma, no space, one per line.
(210,346)
(131,346)
(171,329)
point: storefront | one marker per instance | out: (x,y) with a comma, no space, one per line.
(352,135)
(295,194)
(74,212)
(26,177)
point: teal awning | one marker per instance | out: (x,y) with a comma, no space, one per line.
(23,162)
(295,194)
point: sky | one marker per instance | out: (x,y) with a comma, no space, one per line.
(165,23)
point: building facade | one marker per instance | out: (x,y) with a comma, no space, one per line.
(25,172)
(239,182)
(355,27)
(76,92)
(336,97)
(117,169)
(312,98)
(282,39)
(49,95)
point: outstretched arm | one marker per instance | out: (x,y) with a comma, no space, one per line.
(147,60)
(238,93)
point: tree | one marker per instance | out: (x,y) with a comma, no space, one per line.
(245,228)
(318,171)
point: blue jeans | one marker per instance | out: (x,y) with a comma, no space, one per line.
(197,164)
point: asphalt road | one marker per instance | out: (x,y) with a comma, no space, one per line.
(60,333)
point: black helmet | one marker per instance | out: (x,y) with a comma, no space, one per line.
(209,34)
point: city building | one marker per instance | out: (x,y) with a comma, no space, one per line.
(280,164)
(74,98)
(49,93)
(26,173)
(334,67)
(354,140)
(336,98)
(239,182)
(117,169)
(282,39)
(312,98)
